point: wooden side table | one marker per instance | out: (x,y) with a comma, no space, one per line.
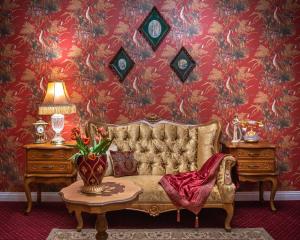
(255,163)
(47,164)
(118,194)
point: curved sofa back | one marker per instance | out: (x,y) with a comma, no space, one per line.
(164,147)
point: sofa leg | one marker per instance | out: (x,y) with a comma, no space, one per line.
(229,210)
(178,215)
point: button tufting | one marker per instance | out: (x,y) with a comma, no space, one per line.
(182,151)
(176,164)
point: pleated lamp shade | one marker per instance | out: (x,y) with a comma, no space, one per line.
(56,100)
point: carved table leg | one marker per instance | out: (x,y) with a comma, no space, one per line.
(261,191)
(273,192)
(196,221)
(101,227)
(27,182)
(178,215)
(79,220)
(39,193)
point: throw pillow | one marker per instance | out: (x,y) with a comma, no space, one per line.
(123,163)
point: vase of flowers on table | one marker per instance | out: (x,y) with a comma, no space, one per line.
(91,160)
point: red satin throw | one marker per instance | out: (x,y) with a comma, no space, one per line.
(190,190)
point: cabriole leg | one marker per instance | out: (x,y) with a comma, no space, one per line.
(79,220)
(27,182)
(273,192)
(229,210)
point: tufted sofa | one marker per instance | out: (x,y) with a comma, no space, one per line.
(165,147)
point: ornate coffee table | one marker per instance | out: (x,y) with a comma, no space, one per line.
(117,194)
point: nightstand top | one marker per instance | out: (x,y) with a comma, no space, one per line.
(48,145)
(260,144)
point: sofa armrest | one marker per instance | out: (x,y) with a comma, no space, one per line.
(224,179)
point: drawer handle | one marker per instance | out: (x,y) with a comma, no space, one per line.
(47,155)
(253,154)
(253,166)
(48,167)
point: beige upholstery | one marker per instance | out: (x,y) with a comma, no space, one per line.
(160,149)
(166,147)
(153,192)
(224,182)
(208,137)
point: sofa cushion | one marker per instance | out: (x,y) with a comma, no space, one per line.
(208,142)
(153,192)
(164,147)
(123,163)
(159,149)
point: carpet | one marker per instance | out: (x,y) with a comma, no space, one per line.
(164,234)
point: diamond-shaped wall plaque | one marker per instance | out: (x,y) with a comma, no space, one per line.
(121,64)
(183,64)
(154,28)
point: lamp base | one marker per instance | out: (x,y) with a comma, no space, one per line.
(58,140)
(57,122)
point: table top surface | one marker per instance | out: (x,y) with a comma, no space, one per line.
(48,145)
(115,190)
(260,144)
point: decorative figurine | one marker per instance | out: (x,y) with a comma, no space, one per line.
(236,130)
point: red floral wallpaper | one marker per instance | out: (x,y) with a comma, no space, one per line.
(247,54)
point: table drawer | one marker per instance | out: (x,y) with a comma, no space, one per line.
(255,153)
(44,154)
(49,167)
(256,166)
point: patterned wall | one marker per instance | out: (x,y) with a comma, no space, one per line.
(247,55)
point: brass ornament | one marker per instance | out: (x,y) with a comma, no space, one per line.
(40,131)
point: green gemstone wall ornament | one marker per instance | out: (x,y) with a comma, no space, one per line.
(183,64)
(121,64)
(154,28)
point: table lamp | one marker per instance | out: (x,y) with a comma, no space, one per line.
(57,103)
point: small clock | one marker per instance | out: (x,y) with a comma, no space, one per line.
(40,131)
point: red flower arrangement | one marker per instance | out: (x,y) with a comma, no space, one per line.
(100,145)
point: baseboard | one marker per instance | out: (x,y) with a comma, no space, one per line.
(240,196)
(280,196)
(20,197)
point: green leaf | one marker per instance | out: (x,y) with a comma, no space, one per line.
(106,147)
(102,146)
(82,147)
(75,157)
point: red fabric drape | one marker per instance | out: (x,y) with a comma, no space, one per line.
(190,190)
